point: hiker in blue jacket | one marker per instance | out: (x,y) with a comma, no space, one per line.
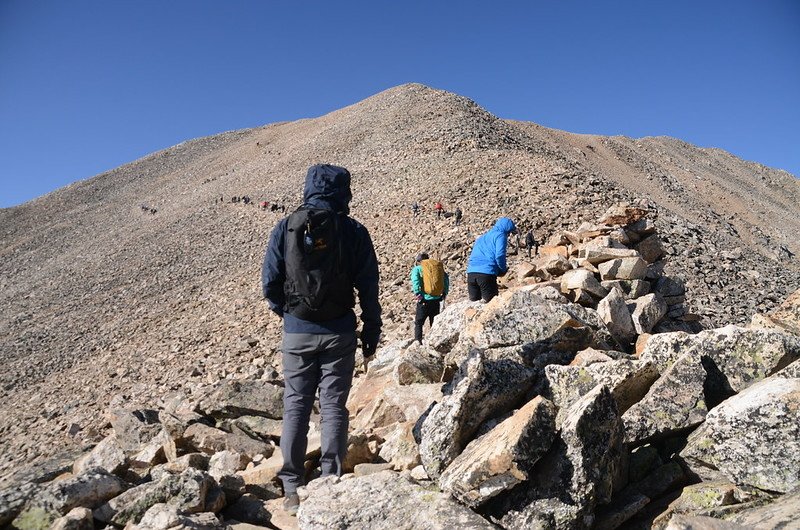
(488,260)
(428,305)
(319,339)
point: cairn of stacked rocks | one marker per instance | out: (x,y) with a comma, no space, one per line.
(616,266)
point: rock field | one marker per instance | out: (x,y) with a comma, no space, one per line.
(606,386)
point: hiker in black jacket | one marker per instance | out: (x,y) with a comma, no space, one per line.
(530,242)
(319,336)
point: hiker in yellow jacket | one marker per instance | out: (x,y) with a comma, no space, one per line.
(430,283)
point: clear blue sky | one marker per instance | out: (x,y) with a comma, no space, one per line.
(88,85)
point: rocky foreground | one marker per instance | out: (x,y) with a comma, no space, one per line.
(584,396)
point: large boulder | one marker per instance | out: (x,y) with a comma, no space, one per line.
(651,249)
(257,427)
(76,519)
(382,501)
(266,472)
(614,312)
(584,280)
(785,317)
(480,390)
(753,437)
(134,427)
(399,447)
(226,463)
(791,371)
(13,499)
(108,455)
(628,380)
(593,434)
(503,457)
(379,401)
(743,355)
(211,440)
(601,255)
(550,264)
(89,489)
(188,492)
(783,513)
(676,401)
(634,268)
(624,215)
(163,516)
(629,289)
(248,509)
(418,364)
(701,498)
(648,310)
(447,326)
(578,472)
(231,399)
(522,317)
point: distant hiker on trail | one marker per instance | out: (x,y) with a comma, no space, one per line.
(458,214)
(430,283)
(315,258)
(439,209)
(488,260)
(415,208)
(530,242)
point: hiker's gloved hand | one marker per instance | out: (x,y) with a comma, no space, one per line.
(368,349)
(419,298)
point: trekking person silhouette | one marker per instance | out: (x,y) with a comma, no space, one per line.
(315,258)
(430,284)
(488,260)
(530,242)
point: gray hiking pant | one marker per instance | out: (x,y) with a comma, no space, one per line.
(312,362)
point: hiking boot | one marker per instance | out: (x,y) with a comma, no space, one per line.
(291,503)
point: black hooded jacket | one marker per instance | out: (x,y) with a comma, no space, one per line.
(328,187)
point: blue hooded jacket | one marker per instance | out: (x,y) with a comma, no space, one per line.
(489,252)
(328,187)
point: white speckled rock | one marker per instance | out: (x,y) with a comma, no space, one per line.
(382,501)
(753,437)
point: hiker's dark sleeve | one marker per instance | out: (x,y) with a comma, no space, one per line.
(273,273)
(365,280)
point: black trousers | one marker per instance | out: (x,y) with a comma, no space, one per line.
(480,285)
(426,309)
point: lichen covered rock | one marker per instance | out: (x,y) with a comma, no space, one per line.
(382,501)
(753,437)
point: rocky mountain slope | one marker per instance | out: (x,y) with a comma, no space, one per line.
(565,403)
(107,304)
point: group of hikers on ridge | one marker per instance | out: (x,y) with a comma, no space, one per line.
(315,259)
(438,207)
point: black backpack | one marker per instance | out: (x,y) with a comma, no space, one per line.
(318,286)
